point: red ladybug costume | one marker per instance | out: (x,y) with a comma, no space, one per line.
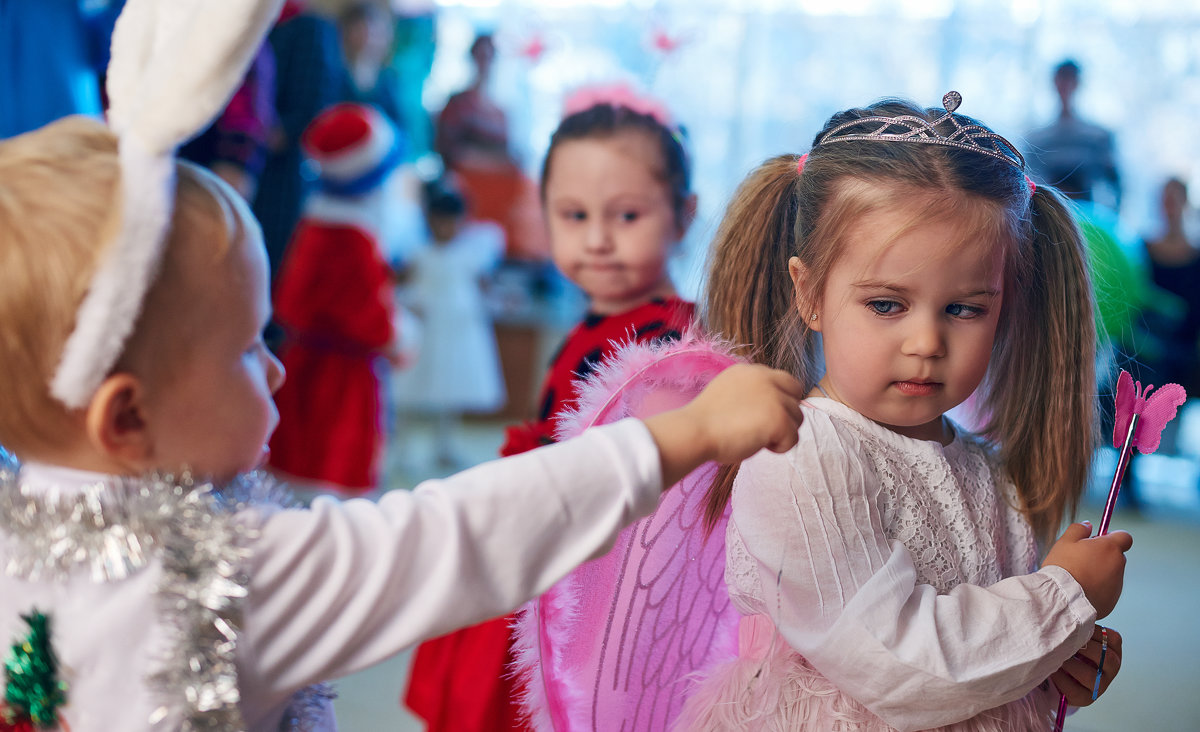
(459,682)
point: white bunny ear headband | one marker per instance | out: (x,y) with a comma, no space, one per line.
(175,64)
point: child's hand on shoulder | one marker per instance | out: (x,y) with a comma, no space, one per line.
(745,408)
(1097,564)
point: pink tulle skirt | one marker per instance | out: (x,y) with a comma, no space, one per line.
(771,688)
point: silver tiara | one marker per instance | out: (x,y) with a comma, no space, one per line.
(916,129)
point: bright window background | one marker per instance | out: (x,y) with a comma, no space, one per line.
(756,78)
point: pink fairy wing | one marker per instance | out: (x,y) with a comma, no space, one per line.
(611,646)
(1160,408)
(1126,396)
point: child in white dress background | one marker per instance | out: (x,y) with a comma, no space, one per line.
(887,566)
(457,369)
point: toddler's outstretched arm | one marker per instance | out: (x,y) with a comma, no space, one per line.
(745,408)
(346,584)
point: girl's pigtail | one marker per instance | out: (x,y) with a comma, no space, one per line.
(1041,396)
(750,295)
(750,301)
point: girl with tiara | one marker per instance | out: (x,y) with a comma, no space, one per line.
(884,571)
(616,190)
(887,567)
(147,581)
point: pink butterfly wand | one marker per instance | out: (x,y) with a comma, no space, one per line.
(1139,422)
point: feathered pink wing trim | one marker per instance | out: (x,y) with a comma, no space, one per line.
(527,657)
(637,371)
(638,380)
(779,690)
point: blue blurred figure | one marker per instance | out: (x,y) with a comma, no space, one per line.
(52,55)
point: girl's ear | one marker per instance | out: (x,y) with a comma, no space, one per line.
(805,302)
(116,423)
(687,214)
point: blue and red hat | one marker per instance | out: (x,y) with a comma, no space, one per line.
(354,148)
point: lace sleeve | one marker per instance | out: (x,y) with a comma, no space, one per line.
(847,597)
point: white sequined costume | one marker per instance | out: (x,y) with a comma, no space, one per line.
(901,581)
(165,605)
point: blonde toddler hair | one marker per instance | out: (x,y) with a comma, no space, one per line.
(60,198)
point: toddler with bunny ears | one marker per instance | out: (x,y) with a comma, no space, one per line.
(887,566)
(616,193)
(147,581)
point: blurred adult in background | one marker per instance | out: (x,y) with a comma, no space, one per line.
(1072,154)
(235,145)
(367,32)
(1175,267)
(52,54)
(471,136)
(309,73)
(472,128)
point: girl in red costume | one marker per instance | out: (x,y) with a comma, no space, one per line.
(616,190)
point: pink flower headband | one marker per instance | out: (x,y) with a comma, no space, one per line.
(618,94)
(804,158)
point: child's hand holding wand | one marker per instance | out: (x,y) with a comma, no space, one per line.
(744,409)
(1084,677)
(1097,563)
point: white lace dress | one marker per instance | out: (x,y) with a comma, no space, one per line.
(871,569)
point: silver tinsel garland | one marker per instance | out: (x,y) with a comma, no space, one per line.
(112,529)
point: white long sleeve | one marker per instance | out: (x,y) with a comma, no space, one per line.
(328,591)
(342,586)
(900,571)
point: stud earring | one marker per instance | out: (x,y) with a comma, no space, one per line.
(813,317)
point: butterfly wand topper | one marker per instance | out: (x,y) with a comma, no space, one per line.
(1139,421)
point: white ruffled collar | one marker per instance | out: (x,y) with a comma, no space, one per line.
(887,436)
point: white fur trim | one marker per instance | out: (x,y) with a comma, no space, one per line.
(114,299)
(175,64)
(365,212)
(361,158)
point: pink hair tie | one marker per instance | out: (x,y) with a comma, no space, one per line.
(618,94)
(1032,186)
(800,163)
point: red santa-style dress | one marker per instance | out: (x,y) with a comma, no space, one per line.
(333,299)
(462,681)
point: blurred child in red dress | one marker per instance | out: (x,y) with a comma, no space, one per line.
(333,299)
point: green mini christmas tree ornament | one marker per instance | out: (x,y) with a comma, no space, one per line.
(32,690)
